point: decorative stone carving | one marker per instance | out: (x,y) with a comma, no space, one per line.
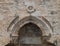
(40,22)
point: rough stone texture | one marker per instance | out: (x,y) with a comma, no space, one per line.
(9,9)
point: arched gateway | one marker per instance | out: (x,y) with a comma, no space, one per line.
(30,31)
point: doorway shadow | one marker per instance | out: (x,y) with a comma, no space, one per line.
(10,44)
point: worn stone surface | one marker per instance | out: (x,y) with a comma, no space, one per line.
(9,9)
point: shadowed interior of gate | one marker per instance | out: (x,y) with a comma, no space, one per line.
(30,34)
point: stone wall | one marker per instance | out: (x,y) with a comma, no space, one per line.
(10,9)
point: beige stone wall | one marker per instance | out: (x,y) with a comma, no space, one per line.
(9,9)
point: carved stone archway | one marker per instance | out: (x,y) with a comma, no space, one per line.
(41,22)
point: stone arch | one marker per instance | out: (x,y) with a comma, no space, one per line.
(41,22)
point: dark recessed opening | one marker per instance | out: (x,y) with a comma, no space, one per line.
(10,44)
(29,34)
(30,30)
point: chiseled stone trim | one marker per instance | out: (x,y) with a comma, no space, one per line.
(17,24)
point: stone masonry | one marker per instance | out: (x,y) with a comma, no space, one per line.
(46,9)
